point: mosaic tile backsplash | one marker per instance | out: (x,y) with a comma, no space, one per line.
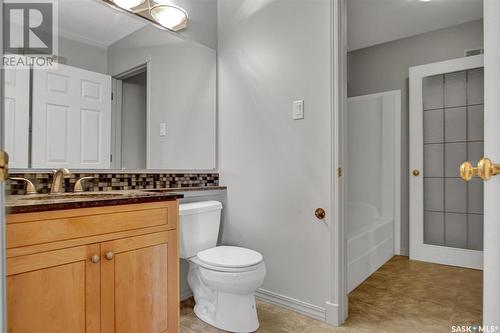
(116,181)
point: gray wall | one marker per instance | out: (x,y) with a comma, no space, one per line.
(134,115)
(202,26)
(385,67)
(83,55)
(277,169)
(182,83)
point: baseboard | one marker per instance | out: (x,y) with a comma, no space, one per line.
(404,252)
(334,316)
(289,303)
(185,294)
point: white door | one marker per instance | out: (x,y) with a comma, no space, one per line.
(71,118)
(17,113)
(446,129)
(491,291)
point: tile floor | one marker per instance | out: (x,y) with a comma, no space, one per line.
(401,297)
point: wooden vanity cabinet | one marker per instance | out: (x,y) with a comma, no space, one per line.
(124,281)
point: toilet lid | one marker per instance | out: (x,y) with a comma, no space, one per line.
(230,256)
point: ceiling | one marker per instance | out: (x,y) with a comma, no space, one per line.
(372,22)
(94,22)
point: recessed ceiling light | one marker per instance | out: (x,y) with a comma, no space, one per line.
(425,0)
(128,4)
(171,17)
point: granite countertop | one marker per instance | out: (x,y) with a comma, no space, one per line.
(16,204)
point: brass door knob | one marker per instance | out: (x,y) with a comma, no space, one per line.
(416,173)
(485,170)
(95,258)
(320,213)
(109,255)
(467,171)
(4,166)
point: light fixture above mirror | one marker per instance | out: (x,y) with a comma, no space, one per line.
(166,15)
(128,4)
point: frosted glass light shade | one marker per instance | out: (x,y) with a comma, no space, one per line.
(128,4)
(170,17)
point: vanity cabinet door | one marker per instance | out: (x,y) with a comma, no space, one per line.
(55,291)
(139,279)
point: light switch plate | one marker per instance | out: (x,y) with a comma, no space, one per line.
(163,129)
(298,109)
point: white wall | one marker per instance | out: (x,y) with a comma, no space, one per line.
(385,67)
(202,26)
(83,55)
(277,170)
(182,81)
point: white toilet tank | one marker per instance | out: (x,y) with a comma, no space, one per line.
(199,224)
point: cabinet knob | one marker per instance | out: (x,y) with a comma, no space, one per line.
(95,258)
(109,255)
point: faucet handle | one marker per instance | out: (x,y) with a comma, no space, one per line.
(30,188)
(78,185)
(63,171)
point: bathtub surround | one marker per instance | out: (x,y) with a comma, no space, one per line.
(118,181)
(372,218)
(385,67)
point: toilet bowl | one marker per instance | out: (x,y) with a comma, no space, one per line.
(225,292)
(223,278)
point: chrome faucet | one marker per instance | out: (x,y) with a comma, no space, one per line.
(58,178)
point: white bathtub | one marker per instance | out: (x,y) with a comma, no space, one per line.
(370,242)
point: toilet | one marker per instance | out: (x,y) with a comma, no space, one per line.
(223,278)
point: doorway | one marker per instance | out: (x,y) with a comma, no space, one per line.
(130,120)
(380,60)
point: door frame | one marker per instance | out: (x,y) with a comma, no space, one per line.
(491,275)
(3,271)
(116,79)
(337,302)
(418,250)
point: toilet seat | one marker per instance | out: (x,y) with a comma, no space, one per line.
(229,259)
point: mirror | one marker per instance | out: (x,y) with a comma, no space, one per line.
(125,95)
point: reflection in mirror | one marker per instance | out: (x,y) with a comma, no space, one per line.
(126,96)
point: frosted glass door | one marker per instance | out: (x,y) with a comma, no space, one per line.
(453,133)
(446,129)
